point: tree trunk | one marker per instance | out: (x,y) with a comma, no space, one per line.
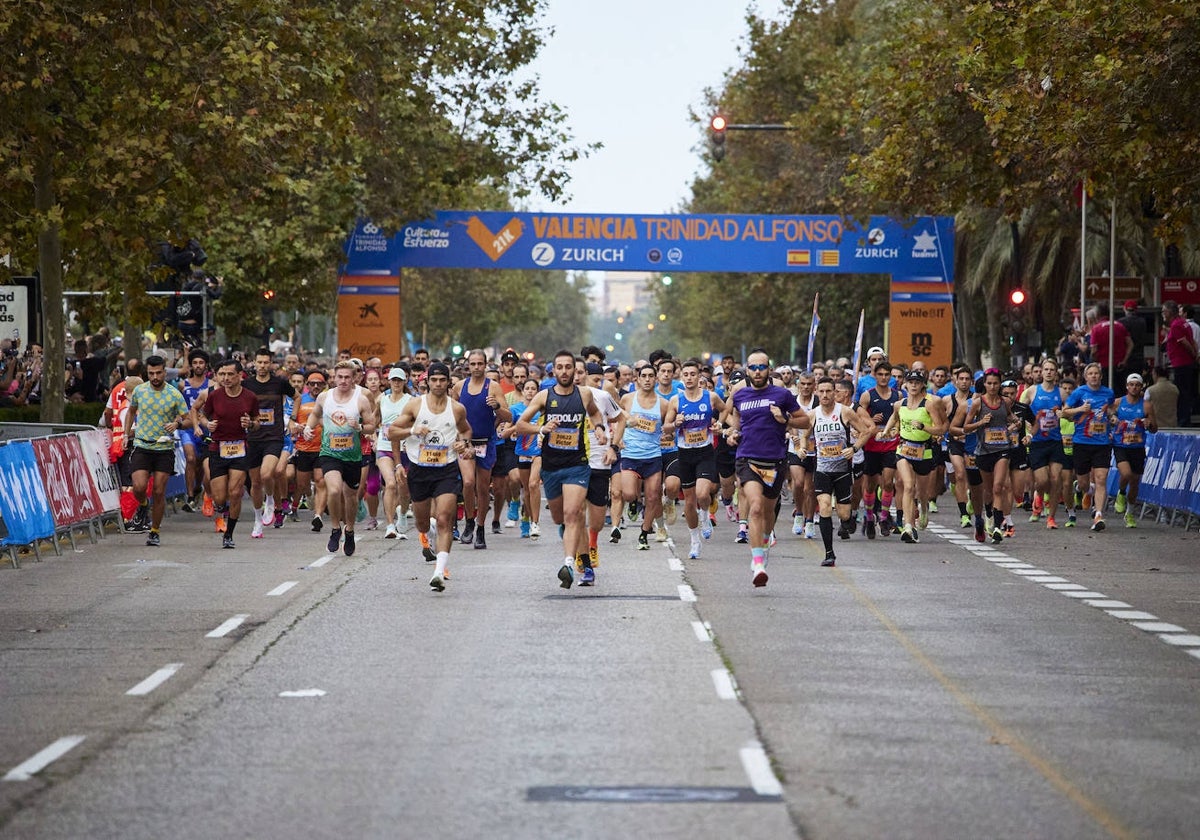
(54,329)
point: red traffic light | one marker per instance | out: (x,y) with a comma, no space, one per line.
(269,294)
(718,123)
(1017,296)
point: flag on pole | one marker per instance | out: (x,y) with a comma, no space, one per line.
(858,343)
(812,331)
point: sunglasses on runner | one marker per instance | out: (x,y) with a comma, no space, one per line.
(757,367)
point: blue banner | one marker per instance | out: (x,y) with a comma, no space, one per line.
(1172,476)
(23,504)
(658,243)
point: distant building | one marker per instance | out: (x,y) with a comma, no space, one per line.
(622,290)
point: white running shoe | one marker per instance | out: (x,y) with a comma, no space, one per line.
(268,517)
(535,531)
(706,528)
(810,531)
(694,554)
(671,512)
(257,531)
(798,524)
(662,535)
(372,523)
(390,533)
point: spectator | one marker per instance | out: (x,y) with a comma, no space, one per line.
(1181,351)
(91,367)
(1122,344)
(1135,325)
(1164,396)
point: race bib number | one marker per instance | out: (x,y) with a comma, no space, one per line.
(266,416)
(1097,428)
(695,437)
(1047,421)
(341,442)
(642,423)
(969,460)
(911,450)
(1133,438)
(767,474)
(432,455)
(995,435)
(830,450)
(563,439)
(480,450)
(230,449)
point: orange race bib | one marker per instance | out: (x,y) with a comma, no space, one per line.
(563,439)
(432,455)
(230,449)
(912,450)
(341,442)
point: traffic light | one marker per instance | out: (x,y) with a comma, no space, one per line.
(717,127)
(269,294)
(1017,296)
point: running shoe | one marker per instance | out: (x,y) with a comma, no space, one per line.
(1097,522)
(1037,505)
(348,544)
(566,577)
(810,531)
(964,521)
(227,542)
(759,577)
(257,531)
(495,526)
(643,541)
(219,524)
(152,538)
(535,531)
(886,525)
(206,509)
(997,536)
(317,524)
(923,520)
(524,529)
(304,503)
(588,577)
(1071,519)
(437,583)
(468,532)
(429,554)
(594,557)
(1010,531)
(1120,504)
(615,536)
(188,506)
(335,538)
(631,512)
(480,540)
(933,508)
(869,525)
(514,513)
(798,524)
(771,540)
(980,537)
(390,532)
(906,534)
(854,524)
(844,532)
(1130,519)
(706,529)
(1035,516)
(661,535)
(268,516)
(731,512)
(743,536)
(371,524)
(671,511)
(830,559)
(694,551)
(280,517)
(1051,525)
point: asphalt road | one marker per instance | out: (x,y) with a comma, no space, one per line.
(1045,687)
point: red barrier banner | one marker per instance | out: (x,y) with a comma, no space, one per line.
(67,479)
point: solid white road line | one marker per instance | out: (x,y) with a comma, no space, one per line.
(723,682)
(24,771)
(281,588)
(758,770)
(155,680)
(226,628)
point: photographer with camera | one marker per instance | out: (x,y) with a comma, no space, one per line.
(20,377)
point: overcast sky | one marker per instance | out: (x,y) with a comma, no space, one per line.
(627,72)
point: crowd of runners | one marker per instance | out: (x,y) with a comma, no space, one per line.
(616,451)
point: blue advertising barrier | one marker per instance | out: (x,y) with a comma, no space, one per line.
(23,503)
(1172,477)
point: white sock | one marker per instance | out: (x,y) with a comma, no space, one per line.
(443,558)
(258,516)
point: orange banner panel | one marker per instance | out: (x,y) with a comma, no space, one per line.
(368,317)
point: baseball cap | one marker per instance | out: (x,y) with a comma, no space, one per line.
(875,351)
(438,369)
(736,376)
(784,369)
(398,373)
(594,369)
(1135,377)
(1131,304)
(914,376)
(510,355)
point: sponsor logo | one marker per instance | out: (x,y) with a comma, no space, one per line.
(799,257)
(924,246)
(861,253)
(675,256)
(495,244)
(875,236)
(416,236)
(543,254)
(654,255)
(922,344)
(592,255)
(370,229)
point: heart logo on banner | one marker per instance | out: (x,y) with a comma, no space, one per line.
(494,244)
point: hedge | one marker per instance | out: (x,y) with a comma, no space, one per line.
(85,414)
